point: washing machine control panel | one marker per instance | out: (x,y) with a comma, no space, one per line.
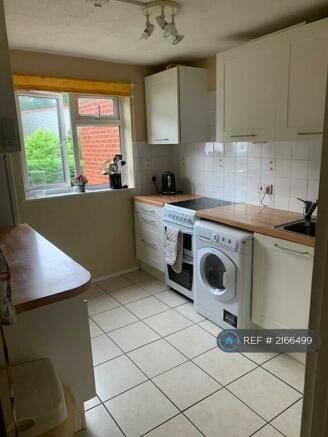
(224,241)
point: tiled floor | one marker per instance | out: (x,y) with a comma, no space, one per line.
(159,372)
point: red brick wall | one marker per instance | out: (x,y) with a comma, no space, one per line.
(97,143)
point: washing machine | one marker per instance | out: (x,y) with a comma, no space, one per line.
(223,282)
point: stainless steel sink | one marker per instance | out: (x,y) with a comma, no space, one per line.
(304,227)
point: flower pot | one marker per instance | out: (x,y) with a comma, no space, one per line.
(81,188)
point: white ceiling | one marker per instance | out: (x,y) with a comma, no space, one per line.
(112,32)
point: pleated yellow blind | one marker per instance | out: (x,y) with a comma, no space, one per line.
(60,84)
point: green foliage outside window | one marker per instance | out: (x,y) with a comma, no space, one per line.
(43,153)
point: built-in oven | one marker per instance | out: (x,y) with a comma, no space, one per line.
(182,282)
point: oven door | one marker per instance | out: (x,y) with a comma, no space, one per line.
(183,281)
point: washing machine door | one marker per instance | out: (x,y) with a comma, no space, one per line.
(217,273)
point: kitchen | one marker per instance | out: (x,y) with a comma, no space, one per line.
(232,140)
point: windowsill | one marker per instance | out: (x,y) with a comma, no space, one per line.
(65,192)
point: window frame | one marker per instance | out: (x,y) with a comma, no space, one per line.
(62,138)
(76,120)
(88,120)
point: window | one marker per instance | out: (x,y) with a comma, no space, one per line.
(67,134)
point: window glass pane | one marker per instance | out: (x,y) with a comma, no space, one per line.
(40,125)
(96,145)
(95,107)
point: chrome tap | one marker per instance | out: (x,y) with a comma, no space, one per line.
(309,208)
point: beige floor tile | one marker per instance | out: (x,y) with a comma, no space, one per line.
(179,426)
(156,358)
(103,349)
(168,322)
(186,384)
(267,431)
(114,283)
(188,311)
(99,424)
(147,281)
(93,291)
(264,393)
(114,319)
(154,286)
(147,307)
(116,376)
(133,336)
(129,294)
(171,298)
(100,304)
(212,328)
(139,276)
(192,341)
(91,403)
(289,422)
(224,367)
(94,330)
(141,409)
(260,357)
(221,414)
(287,369)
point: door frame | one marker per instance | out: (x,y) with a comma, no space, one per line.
(315,408)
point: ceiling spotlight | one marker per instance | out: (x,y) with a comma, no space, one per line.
(177,38)
(149,28)
(170,28)
(97,3)
(161,21)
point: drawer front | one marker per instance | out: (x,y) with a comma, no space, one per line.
(151,210)
(148,226)
(150,251)
(287,246)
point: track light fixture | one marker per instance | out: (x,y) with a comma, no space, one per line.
(157,6)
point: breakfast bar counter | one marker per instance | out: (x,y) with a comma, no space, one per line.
(41,273)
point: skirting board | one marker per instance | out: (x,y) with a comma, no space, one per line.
(112,275)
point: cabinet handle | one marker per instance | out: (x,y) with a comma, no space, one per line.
(147,220)
(243,136)
(161,139)
(152,245)
(288,249)
(310,133)
(150,211)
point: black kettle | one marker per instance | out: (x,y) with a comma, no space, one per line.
(168,183)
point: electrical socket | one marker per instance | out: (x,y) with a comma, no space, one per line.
(265,189)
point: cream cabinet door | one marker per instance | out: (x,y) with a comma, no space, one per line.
(282,275)
(250,89)
(162,103)
(303,113)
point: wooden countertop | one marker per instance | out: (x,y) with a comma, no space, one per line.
(257,219)
(161,199)
(41,273)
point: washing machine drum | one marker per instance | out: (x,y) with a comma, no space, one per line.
(217,273)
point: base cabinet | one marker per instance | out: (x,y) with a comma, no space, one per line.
(149,235)
(282,275)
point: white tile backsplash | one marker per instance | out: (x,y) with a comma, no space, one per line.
(237,173)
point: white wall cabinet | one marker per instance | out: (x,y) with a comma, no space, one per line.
(9,133)
(274,88)
(303,112)
(282,275)
(176,106)
(149,235)
(248,79)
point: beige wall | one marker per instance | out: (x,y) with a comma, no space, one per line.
(95,229)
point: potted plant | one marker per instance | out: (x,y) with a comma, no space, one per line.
(80,182)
